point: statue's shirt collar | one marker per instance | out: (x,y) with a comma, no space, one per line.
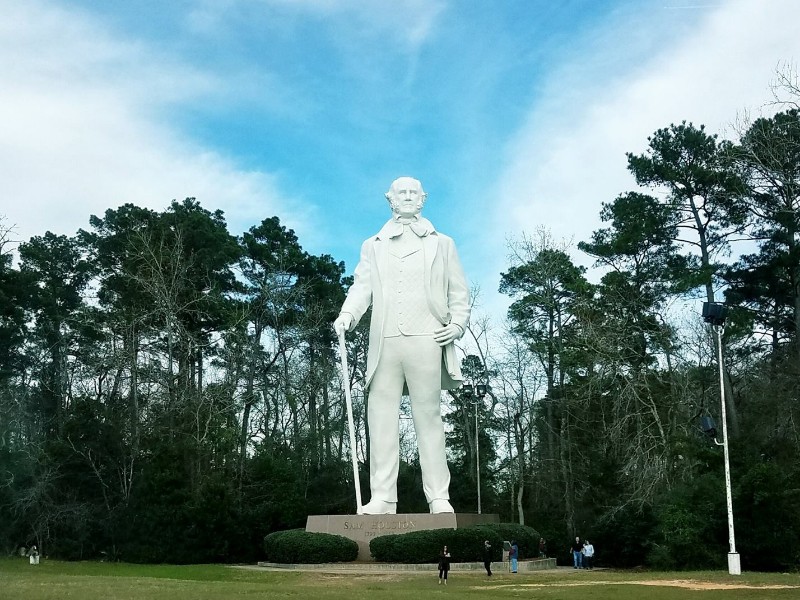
(394,227)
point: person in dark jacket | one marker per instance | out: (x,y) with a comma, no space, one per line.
(444,565)
(577,553)
(487,557)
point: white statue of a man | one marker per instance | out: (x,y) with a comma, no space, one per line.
(411,275)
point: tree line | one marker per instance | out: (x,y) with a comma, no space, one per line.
(613,447)
(170,391)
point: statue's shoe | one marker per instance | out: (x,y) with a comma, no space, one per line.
(440,505)
(379,507)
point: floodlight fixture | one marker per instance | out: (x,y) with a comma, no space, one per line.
(715,313)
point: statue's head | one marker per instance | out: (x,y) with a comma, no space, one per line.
(406,196)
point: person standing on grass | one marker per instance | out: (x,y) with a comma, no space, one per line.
(487,557)
(444,565)
(577,553)
(588,554)
(514,556)
(542,548)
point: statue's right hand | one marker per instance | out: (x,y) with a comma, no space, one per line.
(343,323)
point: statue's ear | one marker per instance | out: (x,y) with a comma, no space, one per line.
(388,196)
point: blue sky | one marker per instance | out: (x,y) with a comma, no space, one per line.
(515,114)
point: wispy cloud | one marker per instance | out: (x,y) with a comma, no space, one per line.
(85,121)
(405,22)
(405,25)
(570,155)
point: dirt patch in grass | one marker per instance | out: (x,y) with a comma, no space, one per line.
(688,584)
(352,579)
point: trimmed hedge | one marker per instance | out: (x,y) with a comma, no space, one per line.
(302,547)
(464,544)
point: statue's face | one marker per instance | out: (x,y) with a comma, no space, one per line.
(406,197)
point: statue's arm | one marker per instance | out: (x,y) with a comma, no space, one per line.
(457,291)
(359,296)
(457,298)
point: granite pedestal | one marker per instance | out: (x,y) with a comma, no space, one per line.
(363,528)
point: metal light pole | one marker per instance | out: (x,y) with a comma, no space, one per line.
(477,458)
(715,313)
(467,390)
(480,392)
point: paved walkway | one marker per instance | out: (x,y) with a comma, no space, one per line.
(525,566)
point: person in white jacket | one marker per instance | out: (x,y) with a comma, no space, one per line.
(411,275)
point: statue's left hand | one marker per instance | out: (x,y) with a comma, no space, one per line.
(447,334)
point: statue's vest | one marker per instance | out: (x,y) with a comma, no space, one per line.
(407,309)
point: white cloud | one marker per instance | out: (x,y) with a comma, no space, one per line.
(359,26)
(84,127)
(570,156)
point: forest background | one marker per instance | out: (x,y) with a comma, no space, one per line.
(169,391)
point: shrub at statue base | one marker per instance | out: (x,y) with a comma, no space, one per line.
(300,546)
(464,545)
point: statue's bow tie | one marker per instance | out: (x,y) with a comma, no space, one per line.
(421,227)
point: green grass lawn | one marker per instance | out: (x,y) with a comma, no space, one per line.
(114,581)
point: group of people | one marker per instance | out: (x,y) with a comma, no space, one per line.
(582,554)
(444,560)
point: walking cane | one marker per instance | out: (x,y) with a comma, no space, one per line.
(350,425)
